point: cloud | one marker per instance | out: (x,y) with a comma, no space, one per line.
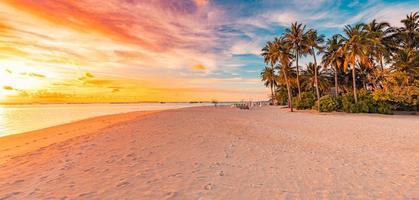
(8,88)
(86,75)
(201,3)
(98,82)
(199,67)
(364,13)
(32,74)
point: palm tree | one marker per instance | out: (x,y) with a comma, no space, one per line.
(377,33)
(309,82)
(269,53)
(283,56)
(313,42)
(295,36)
(409,34)
(331,56)
(277,52)
(285,60)
(407,61)
(269,78)
(355,51)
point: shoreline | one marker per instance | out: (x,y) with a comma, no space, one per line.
(215,153)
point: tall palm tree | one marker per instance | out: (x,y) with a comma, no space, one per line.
(269,78)
(284,58)
(409,33)
(277,52)
(332,58)
(314,42)
(296,36)
(355,51)
(377,33)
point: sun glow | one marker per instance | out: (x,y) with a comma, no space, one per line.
(16,76)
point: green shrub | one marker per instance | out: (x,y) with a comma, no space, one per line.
(328,103)
(307,101)
(366,103)
(348,103)
(384,108)
(281,96)
(338,100)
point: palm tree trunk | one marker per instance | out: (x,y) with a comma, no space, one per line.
(316,80)
(336,80)
(354,83)
(272,94)
(298,76)
(381,63)
(288,90)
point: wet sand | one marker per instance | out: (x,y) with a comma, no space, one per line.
(216,153)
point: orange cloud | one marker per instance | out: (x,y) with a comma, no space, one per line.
(199,67)
(201,2)
(72,14)
(99,82)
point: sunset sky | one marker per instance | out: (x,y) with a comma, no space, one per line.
(156,50)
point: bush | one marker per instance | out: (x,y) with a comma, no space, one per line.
(307,101)
(366,104)
(338,100)
(281,96)
(328,103)
(384,108)
(348,103)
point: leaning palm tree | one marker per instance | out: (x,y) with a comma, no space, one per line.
(332,58)
(313,42)
(355,51)
(269,78)
(295,36)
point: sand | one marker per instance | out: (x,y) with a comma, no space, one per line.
(216,153)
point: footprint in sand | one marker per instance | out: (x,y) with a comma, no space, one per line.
(171,195)
(18,181)
(86,194)
(121,184)
(209,186)
(10,195)
(221,173)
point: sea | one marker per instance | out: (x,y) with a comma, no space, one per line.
(15,119)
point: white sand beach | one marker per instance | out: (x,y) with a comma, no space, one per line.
(216,153)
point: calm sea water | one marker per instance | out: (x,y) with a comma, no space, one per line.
(16,119)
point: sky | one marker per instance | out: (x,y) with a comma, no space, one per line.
(54,51)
